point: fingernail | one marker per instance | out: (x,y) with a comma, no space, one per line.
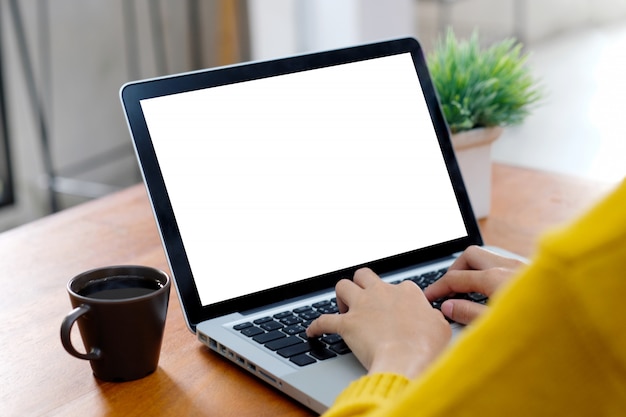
(446,308)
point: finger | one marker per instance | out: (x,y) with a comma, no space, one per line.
(476,257)
(364,277)
(462,311)
(326,323)
(463,281)
(345,290)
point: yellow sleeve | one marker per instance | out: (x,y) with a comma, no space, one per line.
(552,344)
(368,394)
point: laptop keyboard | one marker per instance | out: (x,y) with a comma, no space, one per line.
(284,332)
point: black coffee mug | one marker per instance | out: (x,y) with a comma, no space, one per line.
(120,312)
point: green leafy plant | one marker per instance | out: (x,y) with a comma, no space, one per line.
(482,87)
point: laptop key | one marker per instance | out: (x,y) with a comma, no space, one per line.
(294,330)
(302,309)
(294,350)
(251,331)
(302,360)
(477,297)
(310,315)
(321,304)
(242,326)
(330,309)
(322,354)
(290,320)
(279,316)
(437,303)
(319,350)
(271,325)
(331,339)
(283,343)
(262,320)
(340,348)
(269,336)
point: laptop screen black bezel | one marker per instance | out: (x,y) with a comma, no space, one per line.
(131,95)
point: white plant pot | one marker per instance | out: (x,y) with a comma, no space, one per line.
(473,153)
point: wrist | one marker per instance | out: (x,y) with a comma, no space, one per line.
(402,358)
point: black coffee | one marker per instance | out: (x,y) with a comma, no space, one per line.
(120,287)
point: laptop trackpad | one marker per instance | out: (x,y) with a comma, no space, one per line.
(325,381)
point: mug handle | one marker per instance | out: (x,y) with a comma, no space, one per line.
(66,328)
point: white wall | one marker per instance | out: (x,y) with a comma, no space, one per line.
(529,20)
(286,27)
(562,15)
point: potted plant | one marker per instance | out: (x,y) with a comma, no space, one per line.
(481,90)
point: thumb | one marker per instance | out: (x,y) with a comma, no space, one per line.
(462,311)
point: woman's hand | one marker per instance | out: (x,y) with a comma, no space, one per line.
(390,328)
(476,270)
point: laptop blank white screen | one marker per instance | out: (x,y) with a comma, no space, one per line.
(285,178)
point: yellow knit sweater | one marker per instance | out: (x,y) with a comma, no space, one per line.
(553,343)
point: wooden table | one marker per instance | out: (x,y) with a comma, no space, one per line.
(37,377)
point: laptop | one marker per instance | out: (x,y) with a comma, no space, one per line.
(270,181)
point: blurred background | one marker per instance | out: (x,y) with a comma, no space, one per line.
(64,139)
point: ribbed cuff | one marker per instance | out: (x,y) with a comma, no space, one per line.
(373,389)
